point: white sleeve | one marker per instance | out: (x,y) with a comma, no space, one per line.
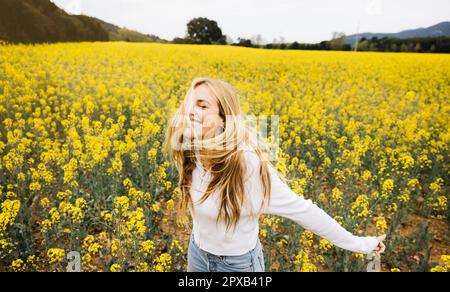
(286,203)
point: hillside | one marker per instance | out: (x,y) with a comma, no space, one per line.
(117,33)
(36,21)
(39,21)
(440,29)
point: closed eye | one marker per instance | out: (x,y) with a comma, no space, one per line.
(202,103)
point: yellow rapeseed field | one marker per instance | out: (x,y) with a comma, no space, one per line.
(364,135)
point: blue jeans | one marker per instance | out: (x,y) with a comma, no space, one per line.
(203,261)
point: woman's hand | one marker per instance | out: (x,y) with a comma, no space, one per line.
(380,247)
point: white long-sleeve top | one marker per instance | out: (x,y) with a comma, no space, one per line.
(283,202)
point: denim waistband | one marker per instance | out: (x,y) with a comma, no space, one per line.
(208,254)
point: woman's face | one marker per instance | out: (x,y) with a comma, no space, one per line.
(203,110)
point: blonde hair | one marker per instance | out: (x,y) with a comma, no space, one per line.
(222,152)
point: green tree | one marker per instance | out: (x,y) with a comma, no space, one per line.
(294,46)
(418,47)
(403,48)
(338,41)
(363,45)
(205,31)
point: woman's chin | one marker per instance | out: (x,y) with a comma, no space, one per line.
(188,134)
(199,133)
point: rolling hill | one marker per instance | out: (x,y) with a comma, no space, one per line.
(440,29)
(40,21)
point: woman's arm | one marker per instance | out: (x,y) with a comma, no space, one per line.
(286,203)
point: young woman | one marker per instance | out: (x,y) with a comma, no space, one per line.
(227,181)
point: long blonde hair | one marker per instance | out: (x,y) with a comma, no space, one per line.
(222,151)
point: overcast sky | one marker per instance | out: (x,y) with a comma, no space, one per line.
(296,20)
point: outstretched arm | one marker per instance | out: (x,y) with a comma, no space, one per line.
(286,203)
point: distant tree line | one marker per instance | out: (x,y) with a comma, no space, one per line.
(205,31)
(418,45)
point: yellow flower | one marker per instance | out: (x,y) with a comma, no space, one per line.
(388,187)
(35,186)
(45,225)
(121,204)
(81,203)
(94,248)
(302,259)
(436,186)
(88,240)
(70,170)
(116,164)
(115,268)
(170,204)
(86,259)
(142,267)
(380,224)
(134,157)
(55,255)
(56,217)
(322,197)
(152,154)
(9,210)
(176,245)
(155,208)
(336,195)
(147,247)
(325,245)
(320,259)
(263,232)
(115,245)
(307,239)
(6,247)
(163,263)
(106,216)
(404,197)
(392,208)
(18,265)
(136,222)
(438,269)
(407,161)
(413,183)
(366,175)
(339,219)
(360,207)
(135,194)
(127,183)
(45,202)
(76,214)
(446,260)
